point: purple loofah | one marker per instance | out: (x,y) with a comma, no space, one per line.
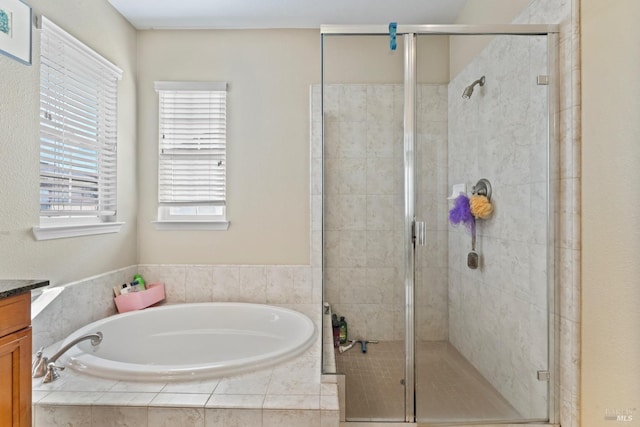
(461,213)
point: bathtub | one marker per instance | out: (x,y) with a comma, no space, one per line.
(190,341)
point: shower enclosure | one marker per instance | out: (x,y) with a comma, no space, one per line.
(452,334)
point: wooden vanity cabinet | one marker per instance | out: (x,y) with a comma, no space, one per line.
(15,361)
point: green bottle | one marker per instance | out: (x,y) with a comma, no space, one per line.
(138,278)
(343,330)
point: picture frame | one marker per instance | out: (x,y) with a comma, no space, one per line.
(16,19)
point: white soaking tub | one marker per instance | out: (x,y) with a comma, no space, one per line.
(190,341)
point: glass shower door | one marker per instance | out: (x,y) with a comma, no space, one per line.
(398,148)
(363,274)
(482,333)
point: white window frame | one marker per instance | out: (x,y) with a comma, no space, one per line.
(78,138)
(177,153)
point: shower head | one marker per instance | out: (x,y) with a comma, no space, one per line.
(468,91)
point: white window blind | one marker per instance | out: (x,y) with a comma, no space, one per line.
(192,144)
(78,108)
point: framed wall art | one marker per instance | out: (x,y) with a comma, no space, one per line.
(15,30)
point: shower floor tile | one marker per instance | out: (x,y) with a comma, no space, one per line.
(448,387)
(372,381)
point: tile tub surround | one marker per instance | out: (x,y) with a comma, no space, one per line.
(290,394)
(261,284)
(81,303)
(91,299)
(287,394)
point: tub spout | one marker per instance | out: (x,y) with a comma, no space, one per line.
(44,366)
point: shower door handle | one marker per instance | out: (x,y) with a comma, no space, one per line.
(419,233)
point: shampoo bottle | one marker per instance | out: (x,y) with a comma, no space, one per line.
(335,325)
(343,330)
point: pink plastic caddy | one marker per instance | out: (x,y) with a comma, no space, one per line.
(142,299)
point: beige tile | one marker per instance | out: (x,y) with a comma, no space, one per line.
(172,417)
(297,385)
(134,386)
(236,401)
(62,416)
(253,383)
(199,284)
(203,387)
(180,400)
(299,402)
(70,398)
(329,402)
(284,418)
(108,416)
(125,399)
(329,418)
(37,395)
(233,417)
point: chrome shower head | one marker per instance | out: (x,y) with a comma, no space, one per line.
(468,91)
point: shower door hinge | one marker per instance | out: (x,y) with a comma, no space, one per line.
(543,80)
(544,376)
(419,234)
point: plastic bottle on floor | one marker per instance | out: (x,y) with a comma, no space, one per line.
(343,330)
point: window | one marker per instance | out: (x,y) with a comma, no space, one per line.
(192,155)
(78,137)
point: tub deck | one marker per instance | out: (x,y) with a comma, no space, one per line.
(284,395)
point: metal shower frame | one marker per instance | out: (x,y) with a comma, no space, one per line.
(410,33)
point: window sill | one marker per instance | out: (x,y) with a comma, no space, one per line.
(63,231)
(191,225)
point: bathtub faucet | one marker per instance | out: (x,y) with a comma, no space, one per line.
(45,367)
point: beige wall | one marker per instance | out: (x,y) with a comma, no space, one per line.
(269,74)
(611,209)
(465,48)
(63,260)
(368,59)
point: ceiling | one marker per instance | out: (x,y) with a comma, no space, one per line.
(183,14)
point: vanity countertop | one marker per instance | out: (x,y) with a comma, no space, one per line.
(10,288)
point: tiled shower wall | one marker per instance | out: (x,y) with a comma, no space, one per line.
(498,313)
(363,206)
(431,261)
(566,313)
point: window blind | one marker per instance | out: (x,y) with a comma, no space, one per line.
(192,143)
(78,129)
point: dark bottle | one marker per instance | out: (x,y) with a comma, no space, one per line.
(343,330)
(335,325)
